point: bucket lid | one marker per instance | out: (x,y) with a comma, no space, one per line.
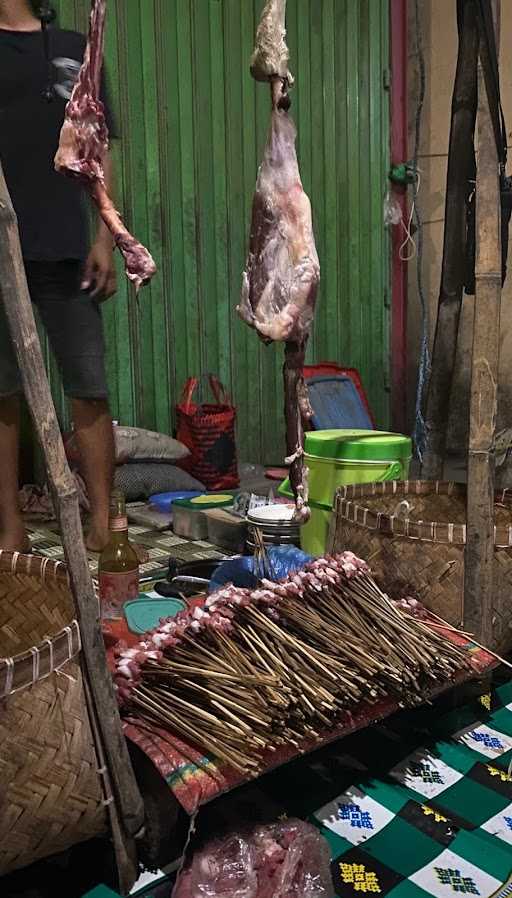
(205,501)
(360,445)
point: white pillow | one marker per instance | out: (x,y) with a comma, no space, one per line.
(135,444)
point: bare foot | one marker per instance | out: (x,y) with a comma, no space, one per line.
(15,539)
(97,539)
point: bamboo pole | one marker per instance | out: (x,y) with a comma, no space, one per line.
(460,161)
(18,308)
(479,555)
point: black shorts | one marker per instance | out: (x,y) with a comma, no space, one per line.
(73,323)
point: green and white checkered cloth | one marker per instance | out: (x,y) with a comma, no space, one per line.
(440,822)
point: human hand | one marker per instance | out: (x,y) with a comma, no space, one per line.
(99,271)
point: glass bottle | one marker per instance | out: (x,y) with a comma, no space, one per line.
(118,567)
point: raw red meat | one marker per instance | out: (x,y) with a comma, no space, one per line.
(282,273)
(84,143)
(282,860)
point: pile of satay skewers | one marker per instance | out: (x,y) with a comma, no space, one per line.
(252,670)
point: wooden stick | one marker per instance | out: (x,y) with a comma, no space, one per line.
(460,163)
(479,612)
(18,308)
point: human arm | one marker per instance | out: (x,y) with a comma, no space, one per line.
(100,271)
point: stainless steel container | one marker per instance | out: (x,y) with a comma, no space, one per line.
(226,531)
(189,523)
(276,525)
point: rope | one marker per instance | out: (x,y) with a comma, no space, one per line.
(420,434)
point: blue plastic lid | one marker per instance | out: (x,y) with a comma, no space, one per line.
(163,501)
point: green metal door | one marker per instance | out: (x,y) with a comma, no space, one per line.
(193,128)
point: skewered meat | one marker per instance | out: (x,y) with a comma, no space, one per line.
(282,273)
(253,669)
(84,143)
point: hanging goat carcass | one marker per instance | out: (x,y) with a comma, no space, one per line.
(84,144)
(282,272)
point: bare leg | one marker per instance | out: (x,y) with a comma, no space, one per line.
(95,440)
(13,536)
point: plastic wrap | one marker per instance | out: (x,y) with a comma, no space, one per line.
(283,561)
(282,860)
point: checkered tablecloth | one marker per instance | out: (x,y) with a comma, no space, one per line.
(436,823)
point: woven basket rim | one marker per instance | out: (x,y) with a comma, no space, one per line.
(38,661)
(34,566)
(347,507)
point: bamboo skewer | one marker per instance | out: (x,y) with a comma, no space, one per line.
(279,667)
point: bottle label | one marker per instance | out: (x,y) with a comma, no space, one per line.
(120,523)
(115,590)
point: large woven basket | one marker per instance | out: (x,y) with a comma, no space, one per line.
(50,791)
(413,536)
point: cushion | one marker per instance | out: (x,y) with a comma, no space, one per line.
(135,444)
(142,480)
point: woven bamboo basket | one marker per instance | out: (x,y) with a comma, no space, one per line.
(413,536)
(51,796)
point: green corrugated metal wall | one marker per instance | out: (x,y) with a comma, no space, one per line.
(193,127)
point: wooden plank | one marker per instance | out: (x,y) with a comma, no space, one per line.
(352,256)
(144,204)
(203,53)
(251,407)
(367,310)
(379,386)
(15,296)
(480,608)
(184,72)
(460,157)
(158,415)
(314,132)
(330,287)
(238,212)
(178,298)
(342,178)
(217,85)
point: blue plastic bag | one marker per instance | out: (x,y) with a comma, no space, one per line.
(283,560)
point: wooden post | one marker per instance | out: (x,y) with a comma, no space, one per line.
(460,159)
(18,307)
(479,556)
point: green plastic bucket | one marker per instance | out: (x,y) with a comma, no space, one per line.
(342,457)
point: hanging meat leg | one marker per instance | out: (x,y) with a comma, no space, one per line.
(84,143)
(282,273)
(297,411)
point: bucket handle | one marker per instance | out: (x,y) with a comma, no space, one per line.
(394,471)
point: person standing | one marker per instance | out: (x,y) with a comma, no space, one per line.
(68,278)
